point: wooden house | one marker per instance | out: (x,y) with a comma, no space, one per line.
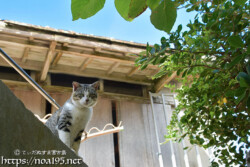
(55,58)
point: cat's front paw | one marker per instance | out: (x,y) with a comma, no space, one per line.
(84,135)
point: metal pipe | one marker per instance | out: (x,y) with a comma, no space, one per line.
(156,132)
(13,64)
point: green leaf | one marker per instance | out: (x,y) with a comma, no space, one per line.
(235,61)
(240,98)
(244,79)
(156,60)
(164,16)
(217,2)
(230,93)
(159,74)
(130,9)
(240,2)
(248,69)
(136,8)
(179,28)
(85,8)
(235,41)
(141,60)
(248,102)
(152,4)
(244,83)
(163,40)
(184,73)
(240,91)
(163,59)
(212,114)
(143,66)
(122,6)
(179,72)
(152,51)
(248,49)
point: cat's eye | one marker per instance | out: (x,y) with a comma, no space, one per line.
(92,96)
(81,96)
(76,97)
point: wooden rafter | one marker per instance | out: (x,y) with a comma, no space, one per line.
(31,39)
(112,67)
(57,58)
(85,63)
(108,58)
(36,66)
(163,81)
(18,85)
(97,49)
(125,60)
(25,54)
(132,71)
(71,50)
(65,44)
(83,42)
(48,61)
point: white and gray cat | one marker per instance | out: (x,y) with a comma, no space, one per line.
(70,121)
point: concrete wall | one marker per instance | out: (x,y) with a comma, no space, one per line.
(25,140)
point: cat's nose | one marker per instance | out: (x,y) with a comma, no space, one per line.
(87,100)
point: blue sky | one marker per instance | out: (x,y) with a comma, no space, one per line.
(107,22)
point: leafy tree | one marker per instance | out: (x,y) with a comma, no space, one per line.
(212,62)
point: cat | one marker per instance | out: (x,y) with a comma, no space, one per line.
(69,122)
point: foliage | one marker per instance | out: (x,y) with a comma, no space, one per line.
(212,62)
(162,17)
(85,8)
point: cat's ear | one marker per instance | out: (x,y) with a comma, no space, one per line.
(75,85)
(96,85)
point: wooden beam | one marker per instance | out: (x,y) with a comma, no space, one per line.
(31,39)
(100,57)
(131,72)
(101,87)
(163,81)
(57,58)
(125,60)
(25,54)
(117,46)
(85,63)
(48,61)
(109,58)
(65,44)
(97,50)
(112,67)
(59,89)
(70,70)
